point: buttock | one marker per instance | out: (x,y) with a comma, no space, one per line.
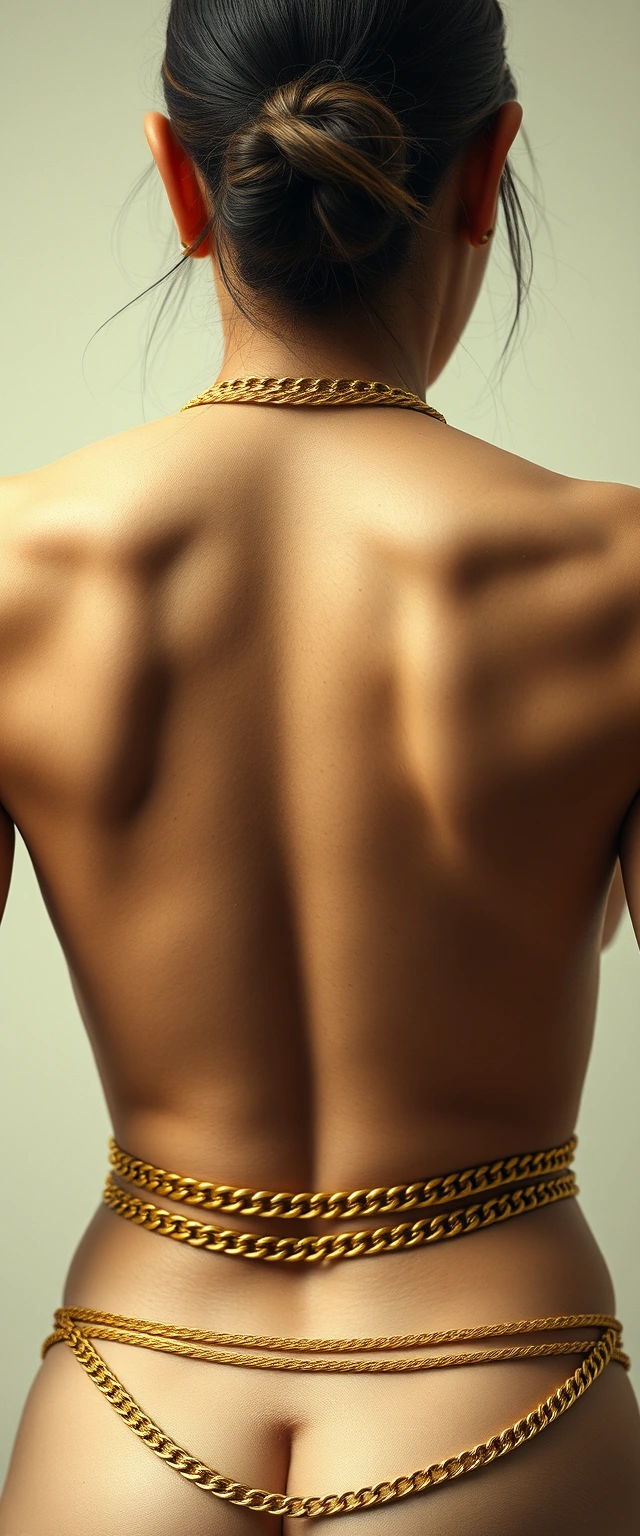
(583,1473)
(77,1467)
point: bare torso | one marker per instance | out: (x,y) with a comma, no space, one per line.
(320,729)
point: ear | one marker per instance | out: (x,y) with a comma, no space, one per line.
(482,170)
(180,180)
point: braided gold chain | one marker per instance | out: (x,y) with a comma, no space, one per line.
(344,1245)
(315,1507)
(272,391)
(292,1354)
(341,1205)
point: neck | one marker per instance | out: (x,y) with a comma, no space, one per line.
(390,343)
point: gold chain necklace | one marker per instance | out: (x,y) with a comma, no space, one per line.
(271,391)
(342,1205)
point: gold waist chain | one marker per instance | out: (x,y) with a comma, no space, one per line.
(543,1177)
(77,1326)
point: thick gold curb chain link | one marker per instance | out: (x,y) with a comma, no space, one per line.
(263,390)
(341,1205)
(550,1167)
(344,1245)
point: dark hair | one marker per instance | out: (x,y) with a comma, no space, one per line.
(323,130)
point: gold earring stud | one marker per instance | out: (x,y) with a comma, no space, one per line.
(486,237)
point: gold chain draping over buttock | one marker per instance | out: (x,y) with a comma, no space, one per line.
(342,1205)
(77,1326)
(271,391)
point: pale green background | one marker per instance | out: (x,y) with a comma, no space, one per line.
(76,78)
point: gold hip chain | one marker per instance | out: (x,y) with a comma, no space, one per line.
(268,391)
(342,1205)
(76,1327)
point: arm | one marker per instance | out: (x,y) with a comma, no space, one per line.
(630,863)
(616,906)
(7,844)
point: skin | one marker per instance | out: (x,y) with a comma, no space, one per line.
(323,732)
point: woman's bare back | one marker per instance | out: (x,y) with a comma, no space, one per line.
(320,729)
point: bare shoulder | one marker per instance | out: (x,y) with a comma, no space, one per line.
(476,512)
(96,583)
(78,540)
(519,615)
(508,527)
(615,504)
(112,500)
(490,480)
(86,539)
(113,473)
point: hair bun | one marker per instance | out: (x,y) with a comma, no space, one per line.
(323,133)
(319,176)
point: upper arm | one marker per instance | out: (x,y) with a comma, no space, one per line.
(7,833)
(630,863)
(624,504)
(615,908)
(7,844)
